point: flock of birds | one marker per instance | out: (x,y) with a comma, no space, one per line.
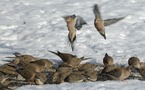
(27,69)
(76,22)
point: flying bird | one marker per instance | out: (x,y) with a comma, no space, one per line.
(98,22)
(71,21)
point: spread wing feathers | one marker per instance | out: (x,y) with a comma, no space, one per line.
(79,22)
(108,22)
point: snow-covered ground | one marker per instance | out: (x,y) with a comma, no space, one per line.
(36,26)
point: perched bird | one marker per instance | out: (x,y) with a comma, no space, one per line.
(108,68)
(111,21)
(71,22)
(79,22)
(107,60)
(118,74)
(135,67)
(64,56)
(74,62)
(60,74)
(8,69)
(40,79)
(31,66)
(25,58)
(47,64)
(134,62)
(87,67)
(98,22)
(28,74)
(75,77)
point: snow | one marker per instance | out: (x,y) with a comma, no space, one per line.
(36,26)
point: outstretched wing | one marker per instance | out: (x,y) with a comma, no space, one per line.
(108,22)
(79,22)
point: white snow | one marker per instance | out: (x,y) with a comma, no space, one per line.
(36,26)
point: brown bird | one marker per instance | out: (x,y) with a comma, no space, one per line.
(31,66)
(98,22)
(64,56)
(134,62)
(90,75)
(75,77)
(74,62)
(47,64)
(87,67)
(109,68)
(25,58)
(8,69)
(60,74)
(28,74)
(40,79)
(135,67)
(71,22)
(118,74)
(107,60)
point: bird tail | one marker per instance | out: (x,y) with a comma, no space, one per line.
(103,34)
(96,11)
(71,38)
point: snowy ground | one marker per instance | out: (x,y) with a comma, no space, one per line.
(36,26)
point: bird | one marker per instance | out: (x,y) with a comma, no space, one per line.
(31,66)
(107,60)
(98,22)
(40,79)
(64,56)
(28,74)
(118,74)
(134,62)
(71,22)
(135,67)
(89,71)
(24,57)
(74,62)
(60,74)
(75,77)
(108,68)
(8,69)
(87,66)
(90,75)
(47,64)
